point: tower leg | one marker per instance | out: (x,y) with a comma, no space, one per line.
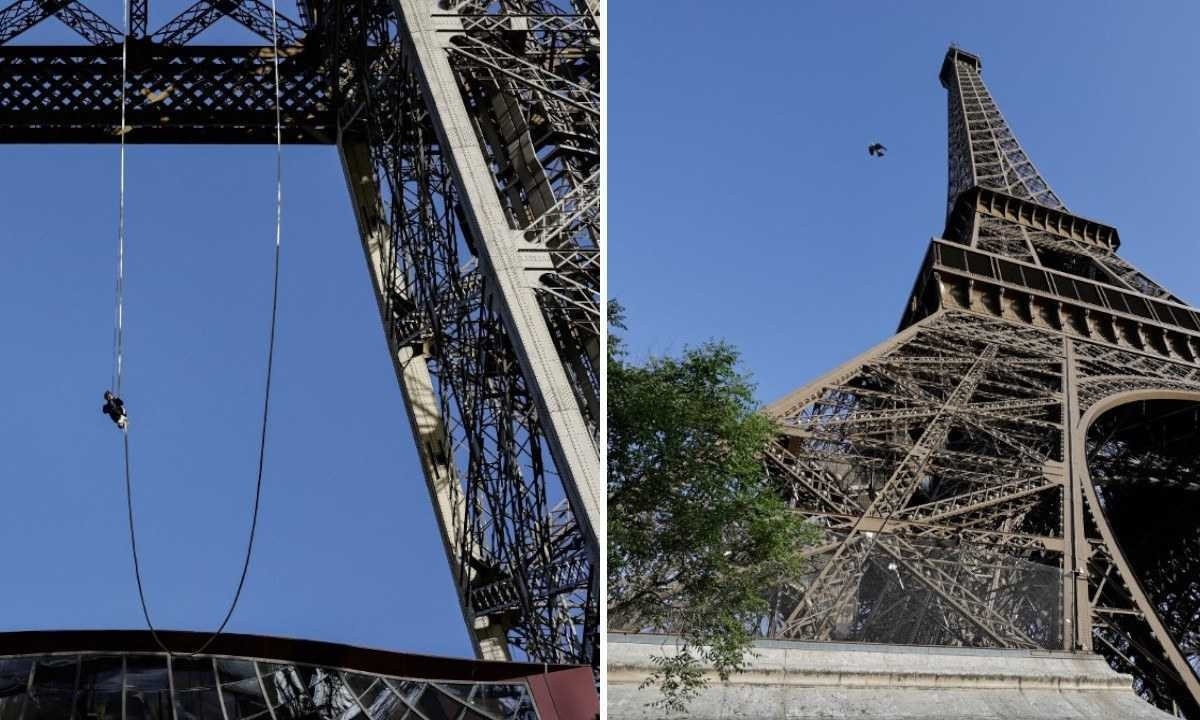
(572,443)
(420,399)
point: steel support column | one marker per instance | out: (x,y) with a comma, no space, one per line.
(430,434)
(574,448)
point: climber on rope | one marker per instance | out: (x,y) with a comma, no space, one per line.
(114,407)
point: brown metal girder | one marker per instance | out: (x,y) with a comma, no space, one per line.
(966,612)
(836,579)
(927,579)
(976,478)
(917,413)
(861,426)
(540,80)
(996,386)
(978,130)
(868,421)
(821,490)
(911,513)
(425,417)
(806,394)
(1116,611)
(923,526)
(986,460)
(997,204)
(1103,559)
(1019,420)
(991,516)
(903,360)
(1141,601)
(916,456)
(891,415)
(1015,542)
(1001,436)
(883,369)
(817,550)
(1090,351)
(1139,380)
(918,395)
(941,456)
(939,269)
(1017,337)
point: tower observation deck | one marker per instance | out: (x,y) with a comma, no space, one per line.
(1019,465)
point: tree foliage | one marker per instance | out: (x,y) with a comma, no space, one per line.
(697,535)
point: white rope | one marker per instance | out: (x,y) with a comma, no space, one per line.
(119,335)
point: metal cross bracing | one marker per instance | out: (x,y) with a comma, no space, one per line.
(469,134)
(1017,466)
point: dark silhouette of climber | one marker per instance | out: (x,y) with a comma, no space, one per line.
(114,407)
(876,150)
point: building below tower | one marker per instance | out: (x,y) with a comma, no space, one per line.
(122,675)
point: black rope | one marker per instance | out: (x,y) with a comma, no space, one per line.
(262,446)
(137,570)
(119,352)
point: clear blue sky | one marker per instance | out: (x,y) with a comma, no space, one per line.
(742,203)
(347,548)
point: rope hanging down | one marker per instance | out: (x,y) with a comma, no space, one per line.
(119,338)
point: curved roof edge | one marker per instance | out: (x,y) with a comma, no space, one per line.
(267,648)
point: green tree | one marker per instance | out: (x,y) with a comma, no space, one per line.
(697,534)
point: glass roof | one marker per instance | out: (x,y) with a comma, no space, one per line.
(107,686)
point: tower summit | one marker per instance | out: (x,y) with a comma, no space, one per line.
(1017,467)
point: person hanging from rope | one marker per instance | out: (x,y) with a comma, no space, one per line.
(114,407)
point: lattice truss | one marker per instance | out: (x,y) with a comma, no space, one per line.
(470,136)
(177,91)
(1019,467)
(935,467)
(528,78)
(987,154)
(993,223)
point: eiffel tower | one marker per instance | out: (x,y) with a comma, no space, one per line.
(469,135)
(1018,466)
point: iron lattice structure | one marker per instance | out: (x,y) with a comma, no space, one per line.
(1017,466)
(470,138)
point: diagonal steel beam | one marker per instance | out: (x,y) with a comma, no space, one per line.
(139,18)
(90,26)
(25,14)
(254,15)
(22,15)
(526,73)
(902,483)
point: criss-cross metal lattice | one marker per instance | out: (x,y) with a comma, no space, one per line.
(988,476)
(470,138)
(984,151)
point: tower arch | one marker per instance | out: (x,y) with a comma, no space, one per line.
(948,467)
(1141,478)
